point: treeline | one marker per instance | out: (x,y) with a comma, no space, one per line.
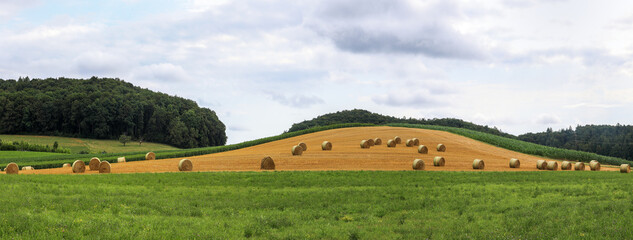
(105,108)
(615,141)
(364,116)
(24,146)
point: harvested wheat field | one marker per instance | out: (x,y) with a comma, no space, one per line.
(346,154)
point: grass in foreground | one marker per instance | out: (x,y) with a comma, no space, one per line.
(319,205)
(77,145)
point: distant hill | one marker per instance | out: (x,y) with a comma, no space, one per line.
(364,116)
(608,140)
(105,108)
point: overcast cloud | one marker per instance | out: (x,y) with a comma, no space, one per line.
(262,65)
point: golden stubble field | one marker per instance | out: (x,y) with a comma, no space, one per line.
(346,154)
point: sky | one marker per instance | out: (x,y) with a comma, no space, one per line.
(521,66)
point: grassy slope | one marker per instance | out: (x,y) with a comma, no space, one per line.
(77,145)
(319,205)
(9,155)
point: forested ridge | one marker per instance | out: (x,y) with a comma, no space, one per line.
(615,141)
(364,116)
(105,108)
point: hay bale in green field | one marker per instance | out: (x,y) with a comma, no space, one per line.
(185,165)
(93,165)
(267,163)
(416,141)
(148,156)
(66,165)
(541,164)
(418,164)
(297,150)
(377,141)
(552,165)
(120,160)
(391,143)
(423,149)
(79,166)
(104,167)
(27,168)
(304,146)
(370,142)
(625,168)
(515,163)
(565,165)
(579,166)
(409,143)
(12,168)
(439,161)
(327,146)
(441,148)
(364,144)
(594,165)
(478,164)
(397,139)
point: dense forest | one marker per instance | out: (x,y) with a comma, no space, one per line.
(615,141)
(364,116)
(105,108)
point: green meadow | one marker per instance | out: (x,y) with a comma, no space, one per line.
(319,205)
(78,145)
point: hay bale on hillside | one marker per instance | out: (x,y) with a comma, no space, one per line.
(79,166)
(439,161)
(27,168)
(267,163)
(515,163)
(149,156)
(625,168)
(326,145)
(565,165)
(541,164)
(12,168)
(304,146)
(579,166)
(371,142)
(416,142)
(120,160)
(66,165)
(364,144)
(409,143)
(377,141)
(423,149)
(297,150)
(478,164)
(93,165)
(104,167)
(185,165)
(397,139)
(391,143)
(552,165)
(441,148)
(418,164)
(594,165)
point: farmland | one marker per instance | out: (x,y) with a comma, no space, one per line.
(77,145)
(318,205)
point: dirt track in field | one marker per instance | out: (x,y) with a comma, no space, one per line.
(346,154)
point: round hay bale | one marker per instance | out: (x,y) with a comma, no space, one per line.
(478,164)
(565,165)
(418,164)
(303,146)
(371,142)
(104,167)
(515,163)
(12,168)
(391,143)
(552,165)
(79,166)
(439,161)
(541,164)
(364,144)
(441,148)
(416,141)
(148,156)
(267,163)
(398,140)
(423,149)
(297,150)
(326,145)
(625,168)
(579,166)
(66,165)
(377,141)
(120,160)
(409,143)
(185,165)
(27,168)
(94,164)
(594,165)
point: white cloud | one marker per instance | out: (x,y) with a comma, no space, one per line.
(547,119)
